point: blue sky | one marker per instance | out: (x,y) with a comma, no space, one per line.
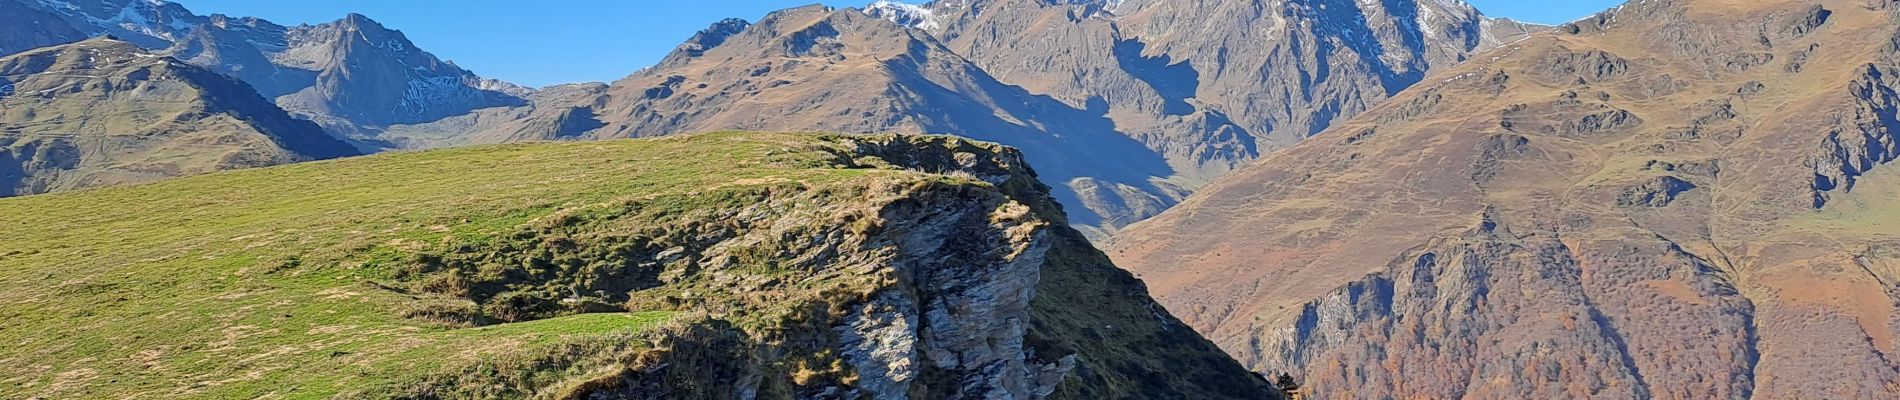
(545,42)
(1549,12)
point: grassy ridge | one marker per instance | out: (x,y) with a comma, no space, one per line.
(272,282)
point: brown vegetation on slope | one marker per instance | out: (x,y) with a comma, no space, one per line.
(104,112)
(1674,199)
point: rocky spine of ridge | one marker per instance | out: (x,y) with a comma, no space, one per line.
(1674,199)
(105,112)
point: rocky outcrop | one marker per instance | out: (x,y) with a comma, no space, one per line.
(1631,209)
(900,289)
(704,266)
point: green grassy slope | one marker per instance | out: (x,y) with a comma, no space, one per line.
(264,282)
(544,271)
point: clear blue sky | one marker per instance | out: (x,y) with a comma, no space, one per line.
(545,42)
(1549,12)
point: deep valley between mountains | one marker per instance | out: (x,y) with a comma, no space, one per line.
(963,199)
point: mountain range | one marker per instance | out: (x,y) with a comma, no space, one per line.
(1129,116)
(353,76)
(1684,199)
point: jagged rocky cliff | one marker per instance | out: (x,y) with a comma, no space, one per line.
(728,265)
(104,112)
(1673,199)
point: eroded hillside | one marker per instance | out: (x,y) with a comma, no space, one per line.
(1674,199)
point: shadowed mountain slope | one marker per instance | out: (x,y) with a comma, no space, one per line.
(104,112)
(1124,117)
(352,76)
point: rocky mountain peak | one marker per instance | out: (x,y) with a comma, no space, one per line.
(355,31)
(366,30)
(716,34)
(228,22)
(703,41)
(355,20)
(367,76)
(825,33)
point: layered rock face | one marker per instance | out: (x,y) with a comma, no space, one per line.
(962,292)
(1674,199)
(1126,106)
(353,76)
(104,112)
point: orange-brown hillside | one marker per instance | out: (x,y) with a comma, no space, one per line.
(1673,199)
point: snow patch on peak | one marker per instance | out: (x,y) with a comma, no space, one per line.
(909,15)
(1106,4)
(59,5)
(1428,16)
(154,18)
